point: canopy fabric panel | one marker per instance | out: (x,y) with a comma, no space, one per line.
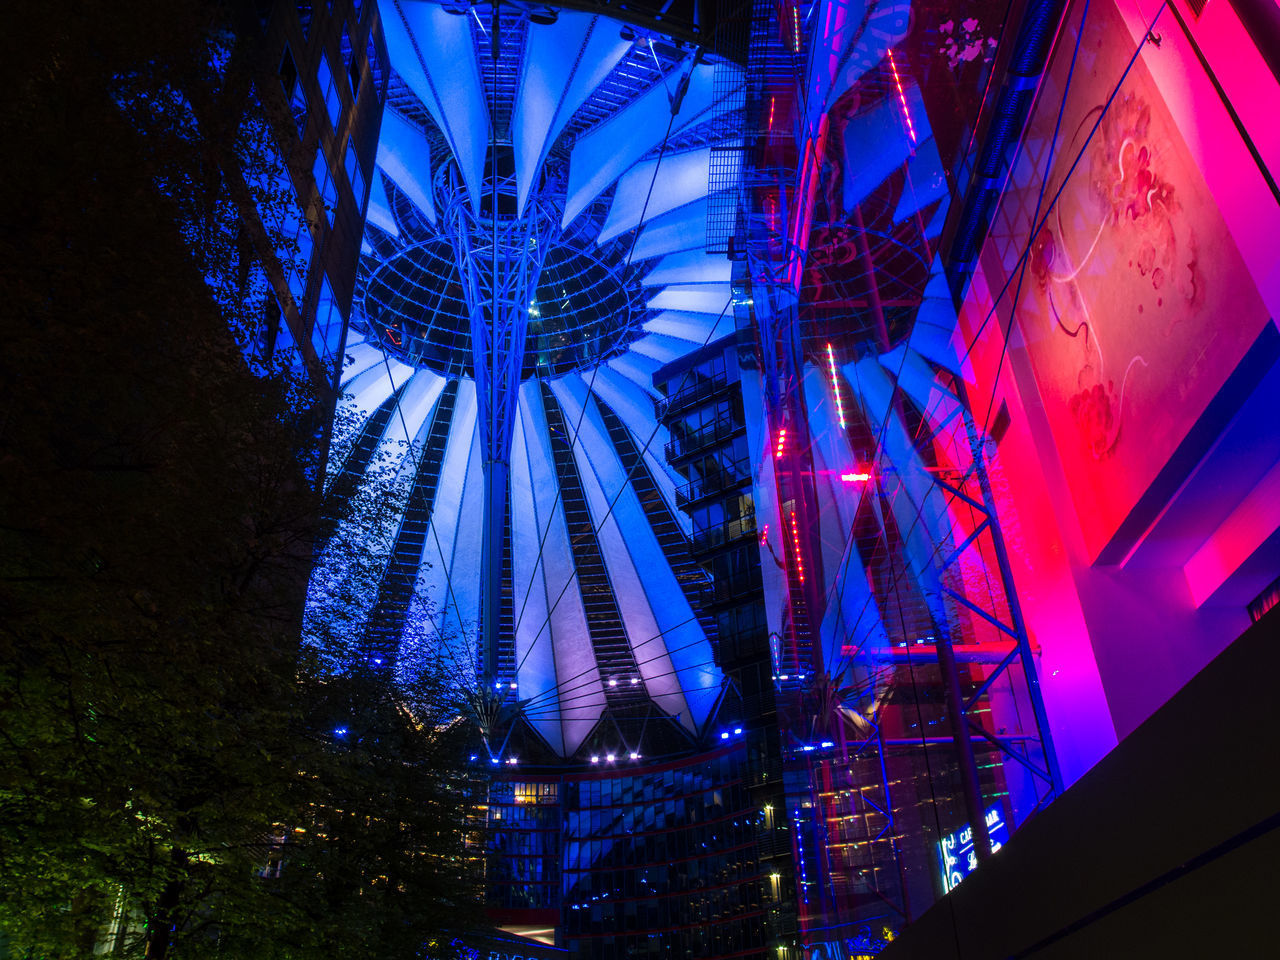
(433,51)
(405,156)
(554,84)
(603,155)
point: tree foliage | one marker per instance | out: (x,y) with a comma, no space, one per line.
(164,739)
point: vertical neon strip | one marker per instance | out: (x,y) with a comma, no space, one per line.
(795,543)
(782,443)
(835,385)
(902,97)
(795,27)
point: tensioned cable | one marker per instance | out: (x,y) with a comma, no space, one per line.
(1035,226)
(449,585)
(621,490)
(551,516)
(587,402)
(586,690)
(431,522)
(589,396)
(585,681)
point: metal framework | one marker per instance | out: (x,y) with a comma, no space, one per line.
(941,591)
(500,261)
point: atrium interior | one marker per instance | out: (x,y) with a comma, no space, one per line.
(824,432)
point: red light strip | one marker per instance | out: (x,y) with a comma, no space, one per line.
(782,442)
(835,385)
(855,477)
(795,542)
(902,97)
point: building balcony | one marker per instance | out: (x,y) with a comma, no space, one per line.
(732,478)
(711,435)
(692,394)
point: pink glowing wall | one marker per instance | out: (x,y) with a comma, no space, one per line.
(1143,331)
(1128,283)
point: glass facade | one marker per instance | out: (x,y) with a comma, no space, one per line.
(669,859)
(329,92)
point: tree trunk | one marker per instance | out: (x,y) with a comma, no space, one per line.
(160,922)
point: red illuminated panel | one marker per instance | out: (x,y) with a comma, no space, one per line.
(1129,285)
(902,97)
(795,543)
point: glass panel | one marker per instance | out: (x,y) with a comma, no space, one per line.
(355,177)
(329,90)
(325,185)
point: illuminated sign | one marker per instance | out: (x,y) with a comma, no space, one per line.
(956,855)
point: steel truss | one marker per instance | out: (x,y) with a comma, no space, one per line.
(499,260)
(840,748)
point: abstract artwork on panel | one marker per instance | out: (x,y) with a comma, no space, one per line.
(1136,305)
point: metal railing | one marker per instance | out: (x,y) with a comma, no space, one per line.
(710,435)
(731,476)
(722,533)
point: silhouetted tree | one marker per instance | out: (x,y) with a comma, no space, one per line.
(162,732)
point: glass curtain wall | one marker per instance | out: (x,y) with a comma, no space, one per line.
(906,687)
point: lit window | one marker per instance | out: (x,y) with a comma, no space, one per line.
(352,65)
(355,177)
(329,87)
(277,203)
(326,332)
(375,67)
(324,183)
(293,91)
(284,350)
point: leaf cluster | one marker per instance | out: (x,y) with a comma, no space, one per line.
(167,748)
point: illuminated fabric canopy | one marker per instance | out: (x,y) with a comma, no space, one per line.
(579,158)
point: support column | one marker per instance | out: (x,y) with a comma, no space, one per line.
(496,476)
(499,261)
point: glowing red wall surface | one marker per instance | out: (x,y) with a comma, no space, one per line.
(1141,374)
(1136,304)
